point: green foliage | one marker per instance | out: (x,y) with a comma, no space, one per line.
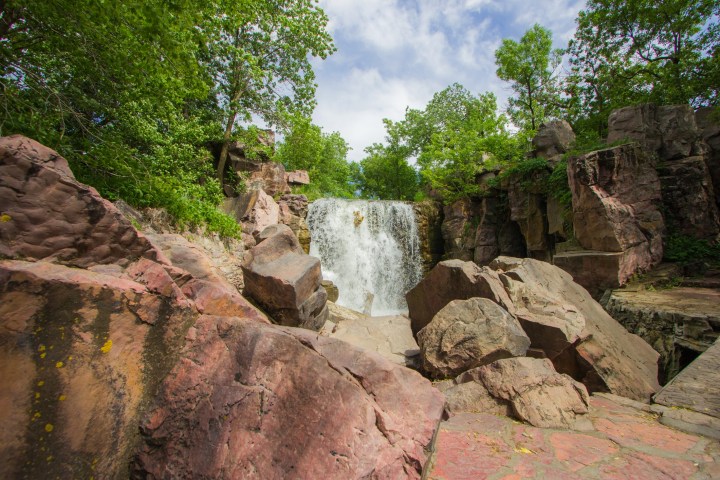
(636,51)
(685,249)
(558,185)
(529,65)
(456,137)
(132,92)
(323,155)
(386,174)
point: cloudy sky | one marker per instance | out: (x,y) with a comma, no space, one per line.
(397,53)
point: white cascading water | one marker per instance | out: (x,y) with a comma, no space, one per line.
(367,247)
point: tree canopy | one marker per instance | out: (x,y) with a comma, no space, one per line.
(636,51)
(529,65)
(133,92)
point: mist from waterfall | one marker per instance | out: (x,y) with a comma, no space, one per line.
(367,247)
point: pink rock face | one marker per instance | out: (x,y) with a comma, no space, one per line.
(616,195)
(270,178)
(298,177)
(453,280)
(80,354)
(46,213)
(254,401)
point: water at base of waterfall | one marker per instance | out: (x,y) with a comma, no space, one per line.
(369,249)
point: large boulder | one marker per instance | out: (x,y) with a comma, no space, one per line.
(46,214)
(537,393)
(251,401)
(616,200)
(81,354)
(469,333)
(285,281)
(553,139)
(574,331)
(452,280)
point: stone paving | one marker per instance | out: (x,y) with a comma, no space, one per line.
(624,443)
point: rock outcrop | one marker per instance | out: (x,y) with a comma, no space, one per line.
(297,177)
(293,212)
(47,214)
(469,333)
(616,211)
(270,177)
(285,281)
(671,134)
(255,211)
(272,402)
(429,217)
(679,323)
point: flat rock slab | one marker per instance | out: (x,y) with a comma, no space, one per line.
(697,387)
(626,444)
(390,336)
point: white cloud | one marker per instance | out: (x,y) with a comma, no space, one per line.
(396,53)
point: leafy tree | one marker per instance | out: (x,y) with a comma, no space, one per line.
(455,138)
(385,173)
(323,155)
(635,51)
(131,92)
(530,67)
(259,56)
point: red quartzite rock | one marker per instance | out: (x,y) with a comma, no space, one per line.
(467,334)
(298,177)
(538,394)
(616,200)
(81,353)
(453,280)
(284,280)
(271,178)
(267,402)
(46,213)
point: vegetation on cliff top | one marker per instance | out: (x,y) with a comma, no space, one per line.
(135,93)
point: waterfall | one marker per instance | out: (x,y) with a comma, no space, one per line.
(367,247)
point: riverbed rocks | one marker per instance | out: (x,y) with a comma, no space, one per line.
(560,317)
(388,335)
(46,214)
(469,333)
(285,281)
(285,403)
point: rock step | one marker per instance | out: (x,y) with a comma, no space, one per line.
(626,443)
(697,387)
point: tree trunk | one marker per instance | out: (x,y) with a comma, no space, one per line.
(225,146)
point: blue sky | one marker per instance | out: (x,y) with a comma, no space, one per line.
(398,53)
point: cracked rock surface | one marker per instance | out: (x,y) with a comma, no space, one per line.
(261,401)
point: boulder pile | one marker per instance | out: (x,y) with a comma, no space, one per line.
(562,321)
